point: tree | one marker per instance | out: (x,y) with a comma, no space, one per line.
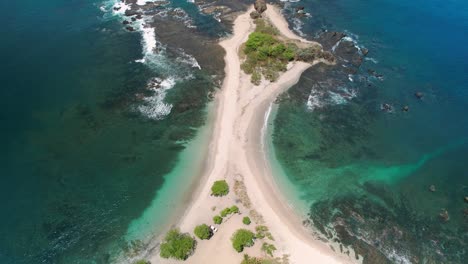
(220,188)
(177,245)
(217,219)
(203,231)
(246,220)
(242,238)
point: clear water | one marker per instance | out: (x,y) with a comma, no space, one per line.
(366,173)
(81,161)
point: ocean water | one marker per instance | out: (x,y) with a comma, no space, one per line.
(96,129)
(366,173)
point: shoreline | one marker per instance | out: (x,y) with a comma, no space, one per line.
(236,153)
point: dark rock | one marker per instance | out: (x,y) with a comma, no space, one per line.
(133,19)
(405,108)
(386,107)
(299,8)
(444,215)
(130,28)
(126,22)
(432,188)
(466,199)
(130,12)
(117,8)
(419,95)
(139,16)
(329,39)
(364,51)
(260,6)
(255,15)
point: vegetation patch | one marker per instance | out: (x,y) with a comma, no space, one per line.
(177,245)
(229,210)
(203,231)
(246,220)
(217,219)
(220,188)
(267,53)
(262,232)
(254,260)
(241,192)
(142,261)
(242,238)
(268,248)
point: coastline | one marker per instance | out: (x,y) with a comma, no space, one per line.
(236,153)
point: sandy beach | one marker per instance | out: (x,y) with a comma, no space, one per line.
(236,154)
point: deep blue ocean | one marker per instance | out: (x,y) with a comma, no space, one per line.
(384,181)
(91,121)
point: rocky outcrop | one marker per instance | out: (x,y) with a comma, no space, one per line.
(130,28)
(329,39)
(260,6)
(255,15)
(419,95)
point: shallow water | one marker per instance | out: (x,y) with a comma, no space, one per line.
(365,172)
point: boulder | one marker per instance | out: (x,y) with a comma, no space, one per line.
(139,16)
(466,199)
(255,15)
(117,8)
(432,188)
(364,51)
(130,28)
(260,6)
(444,215)
(405,108)
(126,22)
(419,95)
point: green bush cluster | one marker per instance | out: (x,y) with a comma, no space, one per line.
(265,54)
(142,261)
(229,210)
(217,219)
(268,248)
(242,238)
(177,245)
(203,231)
(220,188)
(255,260)
(246,220)
(262,232)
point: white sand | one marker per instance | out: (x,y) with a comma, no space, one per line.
(235,152)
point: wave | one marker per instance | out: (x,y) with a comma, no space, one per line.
(154,53)
(319,98)
(154,106)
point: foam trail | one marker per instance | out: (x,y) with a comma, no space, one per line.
(154,106)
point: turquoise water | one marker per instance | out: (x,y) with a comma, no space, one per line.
(364,172)
(88,146)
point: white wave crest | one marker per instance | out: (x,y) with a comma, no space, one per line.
(188,59)
(314,101)
(154,106)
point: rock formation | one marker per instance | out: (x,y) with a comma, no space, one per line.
(260,6)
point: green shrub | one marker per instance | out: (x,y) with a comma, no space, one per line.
(256,78)
(217,219)
(202,231)
(142,261)
(234,209)
(246,220)
(220,188)
(229,210)
(177,245)
(262,232)
(242,238)
(268,248)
